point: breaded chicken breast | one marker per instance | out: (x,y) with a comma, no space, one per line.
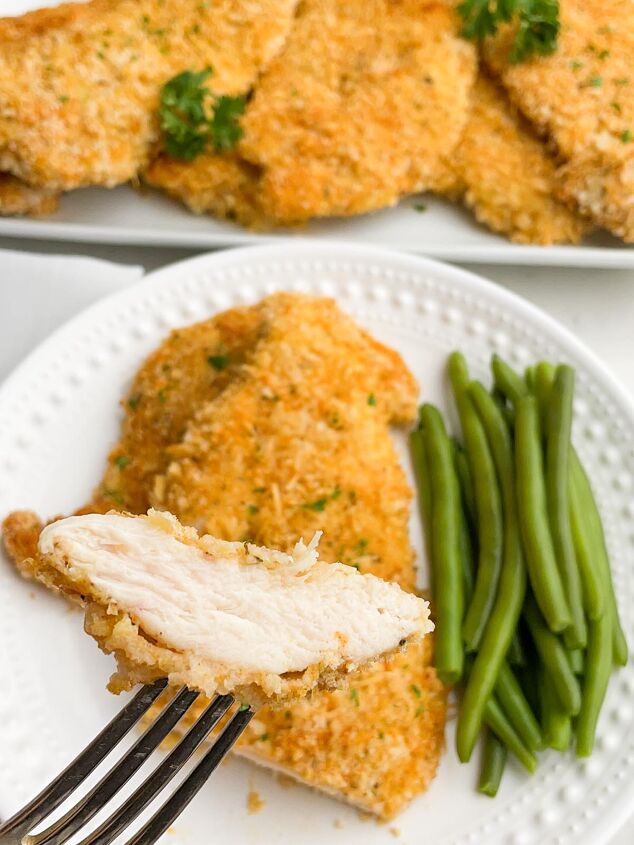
(80,84)
(301,443)
(17,198)
(219,617)
(582,98)
(356,110)
(504,173)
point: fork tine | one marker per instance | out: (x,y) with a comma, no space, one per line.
(119,774)
(78,770)
(155,782)
(174,806)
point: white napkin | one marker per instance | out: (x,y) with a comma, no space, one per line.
(40,292)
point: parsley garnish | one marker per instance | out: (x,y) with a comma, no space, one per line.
(371,399)
(218,362)
(595,82)
(420,207)
(420,710)
(243,707)
(416,690)
(319,505)
(626,136)
(225,129)
(354,695)
(537,24)
(575,64)
(537,31)
(114,495)
(122,461)
(264,737)
(133,402)
(192,118)
(252,509)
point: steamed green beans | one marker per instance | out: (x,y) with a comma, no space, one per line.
(558,406)
(493,764)
(591,514)
(531,497)
(445,550)
(488,506)
(554,657)
(510,596)
(595,683)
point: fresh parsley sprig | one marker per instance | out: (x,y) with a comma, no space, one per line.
(192,119)
(537,24)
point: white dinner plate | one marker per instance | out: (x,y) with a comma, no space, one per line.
(444,230)
(59,416)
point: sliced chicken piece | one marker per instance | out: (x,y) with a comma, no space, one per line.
(223,617)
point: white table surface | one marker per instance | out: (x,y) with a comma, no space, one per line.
(596,305)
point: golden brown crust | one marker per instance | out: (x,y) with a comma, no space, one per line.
(170,384)
(225,186)
(301,445)
(505,174)
(20,533)
(19,199)
(582,98)
(358,108)
(79,85)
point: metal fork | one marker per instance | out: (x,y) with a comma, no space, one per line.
(17,828)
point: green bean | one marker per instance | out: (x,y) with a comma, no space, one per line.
(507,381)
(517,709)
(493,763)
(516,655)
(529,682)
(511,589)
(576,658)
(558,446)
(531,496)
(445,557)
(491,417)
(554,657)
(542,388)
(592,516)
(595,685)
(502,728)
(465,540)
(594,598)
(421,473)
(556,723)
(466,483)
(529,378)
(488,507)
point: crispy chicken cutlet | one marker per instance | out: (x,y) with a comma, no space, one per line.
(300,443)
(220,617)
(582,98)
(80,84)
(504,173)
(355,111)
(285,449)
